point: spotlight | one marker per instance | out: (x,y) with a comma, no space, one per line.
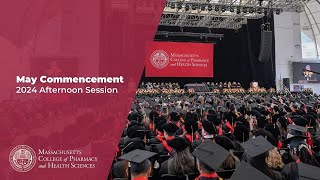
(223,9)
(209,7)
(216,8)
(231,9)
(173,5)
(251,10)
(238,10)
(245,10)
(299,8)
(278,11)
(194,6)
(179,5)
(187,7)
(203,7)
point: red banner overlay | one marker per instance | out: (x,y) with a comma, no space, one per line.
(56,130)
(171,59)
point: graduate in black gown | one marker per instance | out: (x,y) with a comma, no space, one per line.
(256,153)
(175,119)
(119,168)
(140,167)
(209,131)
(299,151)
(181,162)
(210,156)
(169,131)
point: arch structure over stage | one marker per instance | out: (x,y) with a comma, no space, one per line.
(310,30)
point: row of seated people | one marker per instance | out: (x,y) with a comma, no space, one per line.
(272,142)
(170,85)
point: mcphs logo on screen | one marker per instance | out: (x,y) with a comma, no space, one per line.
(170,59)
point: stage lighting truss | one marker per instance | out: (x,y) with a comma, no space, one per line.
(189,34)
(225,14)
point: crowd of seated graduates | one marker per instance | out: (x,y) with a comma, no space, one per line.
(259,138)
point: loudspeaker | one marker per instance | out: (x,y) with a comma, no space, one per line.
(265,46)
(286,82)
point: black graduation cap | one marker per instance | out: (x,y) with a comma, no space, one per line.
(207,105)
(246,171)
(222,109)
(296,130)
(214,119)
(287,108)
(312,120)
(133,144)
(181,111)
(238,105)
(211,154)
(209,127)
(134,106)
(172,109)
(257,146)
(295,133)
(137,156)
(147,111)
(256,113)
(179,144)
(153,104)
(308,172)
(170,128)
(135,130)
(224,142)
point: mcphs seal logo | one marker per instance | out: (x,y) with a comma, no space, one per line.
(159,59)
(22,158)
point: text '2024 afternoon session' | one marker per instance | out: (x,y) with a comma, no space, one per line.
(54,85)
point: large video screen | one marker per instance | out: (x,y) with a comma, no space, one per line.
(301,76)
(175,59)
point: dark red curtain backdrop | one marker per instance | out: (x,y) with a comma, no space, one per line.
(173,59)
(83,38)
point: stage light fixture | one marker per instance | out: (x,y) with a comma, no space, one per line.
(180,6)
(245,10)
(173,5)
(259,11)
(278,11)
(231,9)
(216,8)
(223,9)
(238,10)
(203,7)
(209,7)
(187,7)
(194,6)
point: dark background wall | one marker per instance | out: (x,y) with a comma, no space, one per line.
(235,55)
